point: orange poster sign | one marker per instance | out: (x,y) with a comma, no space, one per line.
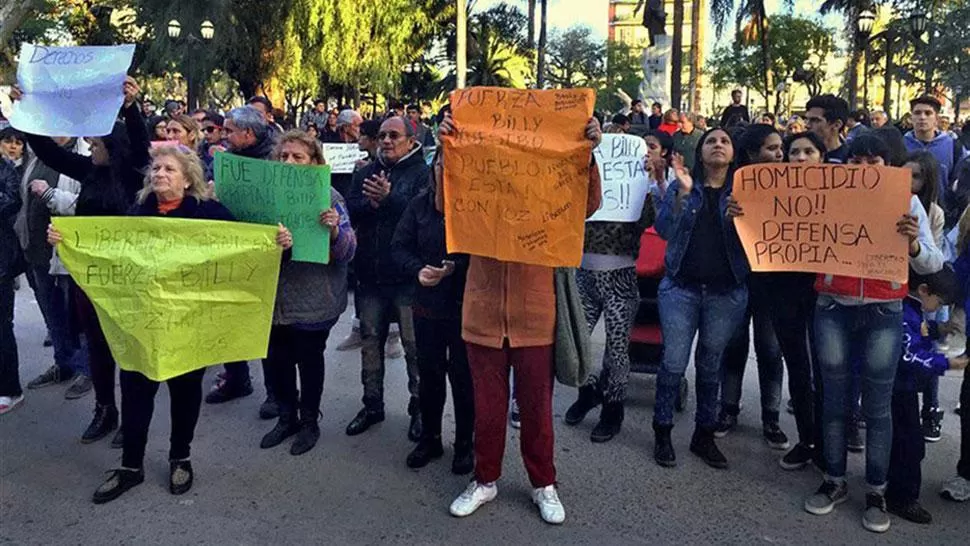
(832,219)
(517,173)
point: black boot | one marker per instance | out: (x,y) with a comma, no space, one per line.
(286,426)
(663,449)
(105,420)
(588,399)
(702,445)
(464,460)
(180,477)
(364,420)
(270,408)
(416,428)
(611,417)
(427,450)
(306,438)
(227,389)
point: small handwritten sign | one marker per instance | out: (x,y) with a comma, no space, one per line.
(832,219)
(625,184)
(342,158)
(271,192)
(516,174)
(175,295)
(70,91)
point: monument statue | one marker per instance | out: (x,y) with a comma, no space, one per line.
(656,57)
(654,17)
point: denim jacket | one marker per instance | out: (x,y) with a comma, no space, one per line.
(675,225)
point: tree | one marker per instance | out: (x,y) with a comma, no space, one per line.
(541,54)
(623,73)
(754,12)
(851,10)
(575,59)
(677,56)
(794,40)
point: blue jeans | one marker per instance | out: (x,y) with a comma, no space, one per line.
(70,353)
(872,333)
(714,317)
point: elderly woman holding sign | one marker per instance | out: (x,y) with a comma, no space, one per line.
(309,300)
(509,323)
(174,188)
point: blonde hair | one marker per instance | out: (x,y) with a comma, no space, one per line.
(191,127)
(301,137)
(191,167)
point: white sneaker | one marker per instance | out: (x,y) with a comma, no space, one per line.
(8,403)
(393,348)
(473,498)
(956,489)
(352,342)
(550,508)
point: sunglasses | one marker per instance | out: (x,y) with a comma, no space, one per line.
(211,129)
(393,135)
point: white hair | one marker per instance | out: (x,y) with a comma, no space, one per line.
(347,117)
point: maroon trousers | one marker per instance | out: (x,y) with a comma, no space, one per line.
(533,389)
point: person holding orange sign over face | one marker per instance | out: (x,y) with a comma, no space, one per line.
(509,321)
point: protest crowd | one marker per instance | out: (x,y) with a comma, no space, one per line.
(863,355)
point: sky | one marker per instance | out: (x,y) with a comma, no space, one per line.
(563,14)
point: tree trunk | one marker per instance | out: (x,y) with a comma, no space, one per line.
(765,63)
(461,64)
(12,15)
(531,41)
(694,100)
(887,94)
(677,56)
(541,65)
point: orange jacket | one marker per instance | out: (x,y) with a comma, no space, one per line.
(514,301)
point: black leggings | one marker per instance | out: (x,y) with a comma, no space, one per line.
(441,351)
(963,468)
(289,348)
(100,359)
(138,404)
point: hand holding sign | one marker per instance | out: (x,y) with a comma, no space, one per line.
(131,90)
(330,219)
(284,238)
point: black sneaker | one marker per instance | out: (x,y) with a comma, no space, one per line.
(910,511)
(118,441)
(798,458)
(725,423)
(828,496)
(226,390)
(105,420)
(588,399)
(52,376)
(933,425)
(464,459)
(876,518)
(118,482)
(426,451)
(702,445)
(775,437)
(180,477)
(306,438)
(855,439)
(270,408)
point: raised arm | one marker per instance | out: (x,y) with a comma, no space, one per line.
(67,163)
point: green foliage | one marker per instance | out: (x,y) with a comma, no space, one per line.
(575,58)
(623,72)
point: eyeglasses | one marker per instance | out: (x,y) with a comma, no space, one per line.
(393,135)
(211,129)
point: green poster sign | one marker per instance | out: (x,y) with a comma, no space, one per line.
(272,192)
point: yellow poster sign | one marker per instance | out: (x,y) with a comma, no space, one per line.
(517,174)
(175,295)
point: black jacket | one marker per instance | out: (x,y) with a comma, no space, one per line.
(191,207)
(105,190)
(262,149)
(419,241)
(11,256)
(375,227)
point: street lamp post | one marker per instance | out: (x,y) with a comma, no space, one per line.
(866,21)
(918,21)
(207,30)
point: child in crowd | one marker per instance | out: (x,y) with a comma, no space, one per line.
(958,488)
(919,363)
